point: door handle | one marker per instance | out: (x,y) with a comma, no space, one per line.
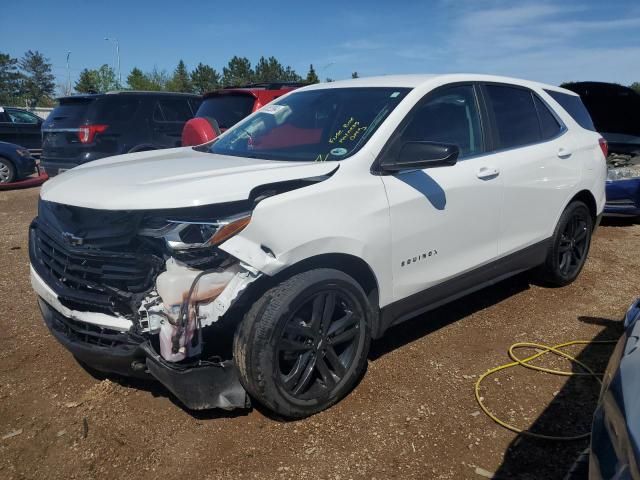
(564,152)
(487,173)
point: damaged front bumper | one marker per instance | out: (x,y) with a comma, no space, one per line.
(197,386)
(116,344)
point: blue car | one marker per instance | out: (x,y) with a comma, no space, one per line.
(16,163)
(623,185)
(615,435)
(615,111)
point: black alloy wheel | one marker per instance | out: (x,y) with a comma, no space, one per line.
(574,243)
(318,345)
(569,246)
(303,345)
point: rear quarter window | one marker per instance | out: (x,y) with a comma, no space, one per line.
(515,116)
(574,107)
(172,110)
(549,125)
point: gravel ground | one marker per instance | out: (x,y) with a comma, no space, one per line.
(412,416)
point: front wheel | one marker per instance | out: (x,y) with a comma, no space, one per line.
(7,171)
(569,246)
(303,345)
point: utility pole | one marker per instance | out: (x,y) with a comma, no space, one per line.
(68,92)
(115,40)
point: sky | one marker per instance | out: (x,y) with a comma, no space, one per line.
(550,41)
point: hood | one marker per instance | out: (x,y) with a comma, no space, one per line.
(174,178)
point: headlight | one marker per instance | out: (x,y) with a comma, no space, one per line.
(186,235)
(23,152)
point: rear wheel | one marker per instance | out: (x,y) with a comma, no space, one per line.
(304,344)
(569,245)
(7,171)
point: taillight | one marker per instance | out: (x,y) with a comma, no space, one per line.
(86,133)
(604,147)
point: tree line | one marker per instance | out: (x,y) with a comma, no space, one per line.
(203,78)
(29,80)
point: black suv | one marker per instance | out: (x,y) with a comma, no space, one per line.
(83,128)
(21,127)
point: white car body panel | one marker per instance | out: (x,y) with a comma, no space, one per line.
(378,219)
(444,221)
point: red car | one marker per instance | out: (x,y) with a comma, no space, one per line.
(224,108)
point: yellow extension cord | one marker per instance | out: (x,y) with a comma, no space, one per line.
(544,349)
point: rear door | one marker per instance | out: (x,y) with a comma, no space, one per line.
(168,119)
(27,126)
(535,157)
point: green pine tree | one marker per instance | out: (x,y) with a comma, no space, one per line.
(312,76)
(237,72)
(87,82)
(137,80)
(204,79)
(37,80)
(180,81)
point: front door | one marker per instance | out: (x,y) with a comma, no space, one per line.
(444,220)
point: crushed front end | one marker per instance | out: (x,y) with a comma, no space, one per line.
(145,293)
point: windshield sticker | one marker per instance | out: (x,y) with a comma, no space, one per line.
(350,130)
(338,152)
(1,110)
(274,109)
(394,94)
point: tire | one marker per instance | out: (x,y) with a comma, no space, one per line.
(303,345)
(569,246)
(7,171)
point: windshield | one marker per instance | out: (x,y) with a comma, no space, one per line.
(320,125)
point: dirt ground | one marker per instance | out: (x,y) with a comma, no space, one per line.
(412,416)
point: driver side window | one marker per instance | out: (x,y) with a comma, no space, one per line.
(451,117)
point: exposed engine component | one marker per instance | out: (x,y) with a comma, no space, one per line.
(623,166)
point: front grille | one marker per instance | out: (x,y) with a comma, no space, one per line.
(100,280)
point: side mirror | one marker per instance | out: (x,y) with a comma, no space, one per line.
(419,155)
(199,130)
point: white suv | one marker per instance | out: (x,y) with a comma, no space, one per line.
(264,262)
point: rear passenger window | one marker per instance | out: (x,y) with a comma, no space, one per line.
(172,110)
(549,126)
(515,116)
(116,109)
(450,116)
(574,107)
